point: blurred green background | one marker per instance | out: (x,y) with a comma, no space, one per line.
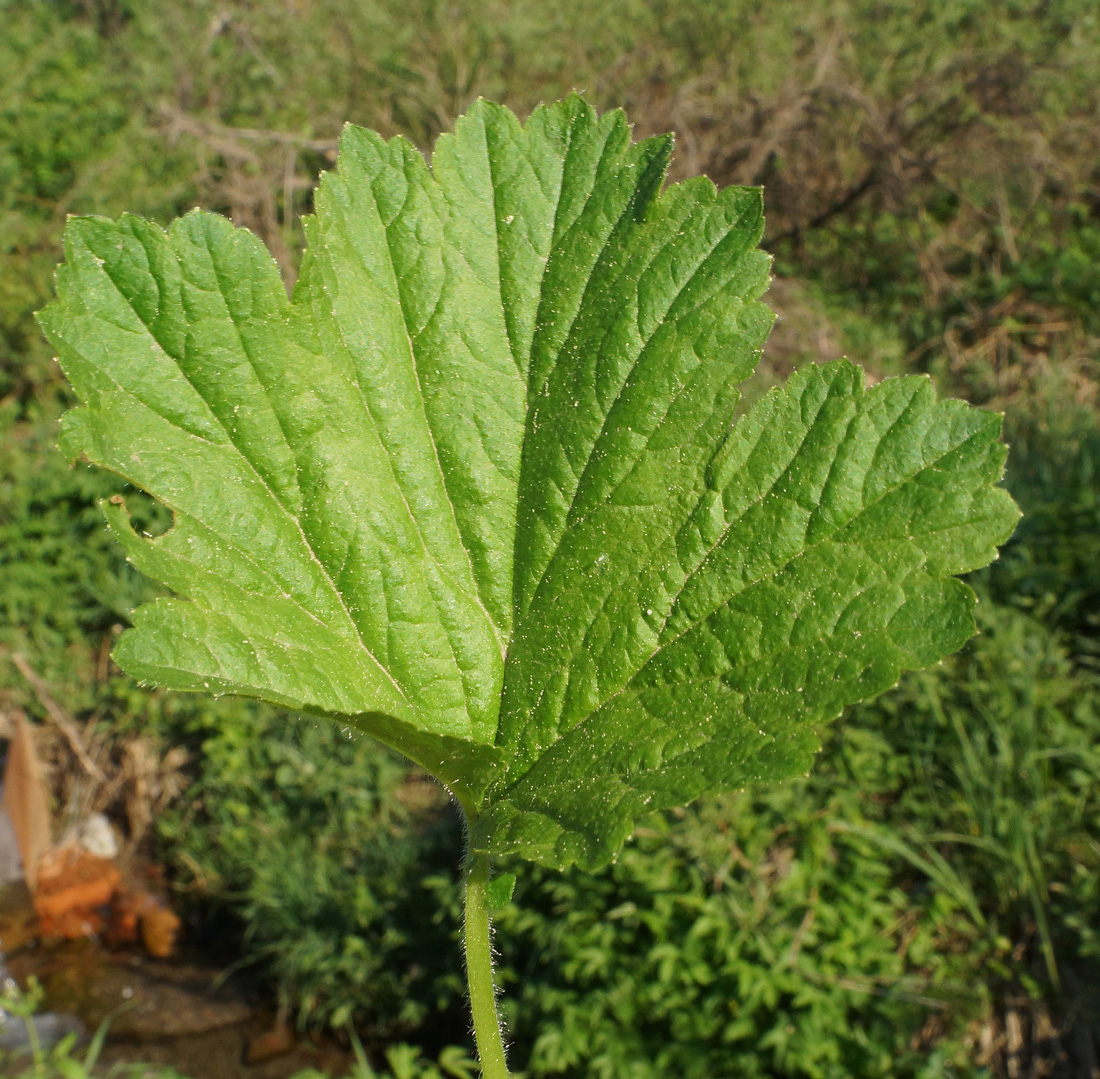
(927,902)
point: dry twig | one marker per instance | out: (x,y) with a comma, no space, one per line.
(58,716)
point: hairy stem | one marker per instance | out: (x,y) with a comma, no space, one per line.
(479,969)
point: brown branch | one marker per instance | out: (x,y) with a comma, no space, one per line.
(851,196)
(57,714)
(177,122)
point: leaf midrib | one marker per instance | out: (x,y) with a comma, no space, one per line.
(475,594)
(533,393)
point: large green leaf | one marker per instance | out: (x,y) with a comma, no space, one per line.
(477,487)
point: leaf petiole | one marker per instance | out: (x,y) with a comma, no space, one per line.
(479,969)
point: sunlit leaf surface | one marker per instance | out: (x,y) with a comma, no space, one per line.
(477,488)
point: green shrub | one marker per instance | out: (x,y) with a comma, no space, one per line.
(747,939)
(326,849)
(1003,791)
(61,578)
(406,1062)
(1051,567)
(74,138)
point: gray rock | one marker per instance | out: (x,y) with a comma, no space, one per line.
(50,1028)
(11,865)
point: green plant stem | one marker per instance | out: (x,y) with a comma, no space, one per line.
(479,970)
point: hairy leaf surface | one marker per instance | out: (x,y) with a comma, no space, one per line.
(477,488)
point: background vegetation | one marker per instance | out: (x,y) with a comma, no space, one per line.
(927,902)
